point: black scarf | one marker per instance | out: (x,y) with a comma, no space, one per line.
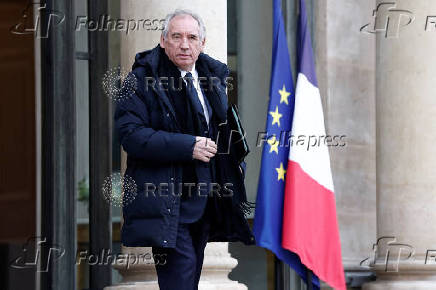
(187,116)
(188,120)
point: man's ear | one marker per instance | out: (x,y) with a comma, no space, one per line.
(203,43)
(162,41)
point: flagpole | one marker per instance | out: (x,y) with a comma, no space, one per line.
(279,275)
(309,279)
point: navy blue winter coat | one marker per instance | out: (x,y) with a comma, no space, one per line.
(148,132)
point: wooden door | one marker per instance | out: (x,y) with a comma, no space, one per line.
(17,126)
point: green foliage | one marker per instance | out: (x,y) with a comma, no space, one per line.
(83,190)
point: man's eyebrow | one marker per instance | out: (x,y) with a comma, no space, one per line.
(189,33)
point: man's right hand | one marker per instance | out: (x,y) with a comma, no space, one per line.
(204,149)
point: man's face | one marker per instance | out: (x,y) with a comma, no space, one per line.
(182,43)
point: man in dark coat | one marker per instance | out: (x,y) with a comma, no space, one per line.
(190,187)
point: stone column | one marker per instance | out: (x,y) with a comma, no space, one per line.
(406,159)
(217,262)
(345,65)
(140,274)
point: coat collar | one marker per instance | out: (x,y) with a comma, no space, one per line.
(206,67)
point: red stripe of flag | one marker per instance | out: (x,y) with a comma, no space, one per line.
(310,226)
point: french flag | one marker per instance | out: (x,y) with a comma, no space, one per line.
(310,227)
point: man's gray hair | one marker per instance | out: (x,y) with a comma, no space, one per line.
(177,12)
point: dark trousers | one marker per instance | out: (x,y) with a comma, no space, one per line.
(180,267)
